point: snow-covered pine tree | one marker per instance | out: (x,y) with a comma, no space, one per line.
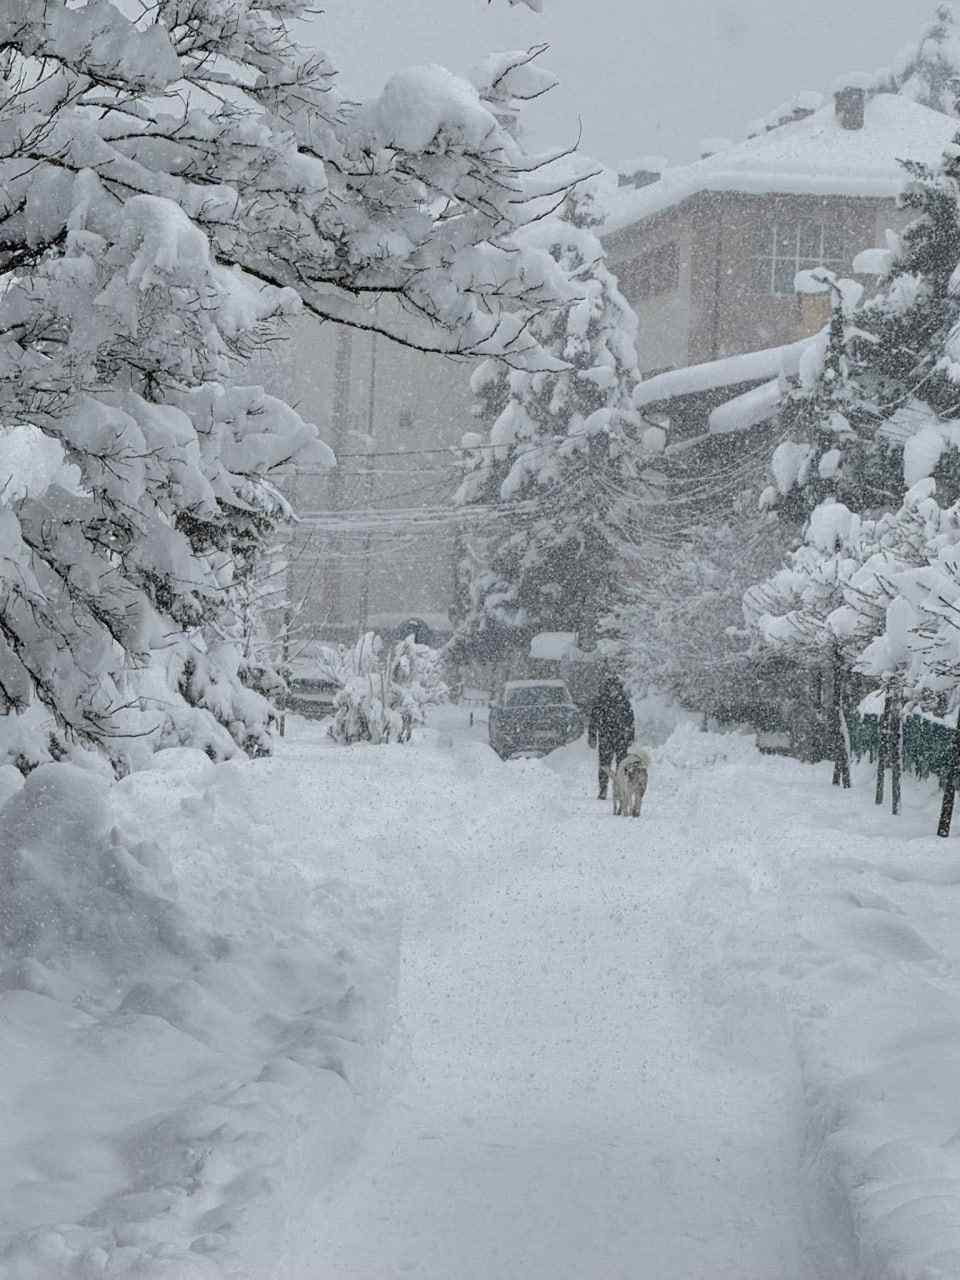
(682,631)
(172,187)
(877,388)
(795,611)
(928,70)
(563,450)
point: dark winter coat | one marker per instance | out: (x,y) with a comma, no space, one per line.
(611,719)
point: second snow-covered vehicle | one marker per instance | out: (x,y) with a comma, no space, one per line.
(533,717)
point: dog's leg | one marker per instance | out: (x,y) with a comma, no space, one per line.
(641,791)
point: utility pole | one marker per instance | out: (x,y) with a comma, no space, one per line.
(364,610)
(342,368)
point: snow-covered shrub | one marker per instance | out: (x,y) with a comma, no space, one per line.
(383,690)
(928,70)
(680,625)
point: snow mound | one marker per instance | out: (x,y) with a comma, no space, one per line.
(77,891)
(689,749)
(815,917)
(190,996)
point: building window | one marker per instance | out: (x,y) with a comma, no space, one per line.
(792,245)
(655,272)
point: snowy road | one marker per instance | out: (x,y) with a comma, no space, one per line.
(720,1043)
(565,1104)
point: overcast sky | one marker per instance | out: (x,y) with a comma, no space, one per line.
(645,76)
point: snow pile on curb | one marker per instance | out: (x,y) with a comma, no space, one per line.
(189,1010)
(824,918)
(688,750)
(879,1037)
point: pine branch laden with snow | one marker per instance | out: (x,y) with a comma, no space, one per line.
(414,196)
(928,70)
(681,630)
(876,403)
(173,189)
(884,592)
(563,458)
(383,690)
(872,457)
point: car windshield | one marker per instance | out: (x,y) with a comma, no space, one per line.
(536,695)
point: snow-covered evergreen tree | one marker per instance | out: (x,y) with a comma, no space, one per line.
(872,598)
(562,460)
(172,188)
(878,390)
(682,632)
(928,70)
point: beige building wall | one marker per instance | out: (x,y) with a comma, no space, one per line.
(723,303)
(664,318)
(392,416)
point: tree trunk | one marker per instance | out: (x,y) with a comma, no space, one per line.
(841,752)
(895,742)
(950,787)
(882,747)
(284,668)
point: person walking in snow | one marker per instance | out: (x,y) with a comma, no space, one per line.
(611,728)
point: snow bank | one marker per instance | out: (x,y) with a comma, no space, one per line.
(196,969)
(688,750)
(812,905)
(190,996)
(197,973)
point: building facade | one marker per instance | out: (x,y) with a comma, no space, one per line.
(370,550)
(707,253)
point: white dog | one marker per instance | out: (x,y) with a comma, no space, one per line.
(630,783)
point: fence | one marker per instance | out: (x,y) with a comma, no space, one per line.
(927,744)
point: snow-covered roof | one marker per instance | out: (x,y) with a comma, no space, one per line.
(751,366)
(812,156)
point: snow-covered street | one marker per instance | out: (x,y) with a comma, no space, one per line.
(361,1013)
(561,1108)
(685,1047)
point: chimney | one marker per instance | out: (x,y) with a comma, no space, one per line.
(849,100)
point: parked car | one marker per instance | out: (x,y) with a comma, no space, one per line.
(533,717)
